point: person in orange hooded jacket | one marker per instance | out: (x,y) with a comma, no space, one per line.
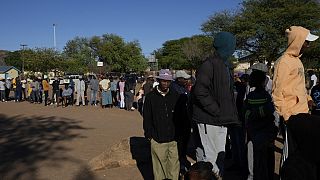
(291,100)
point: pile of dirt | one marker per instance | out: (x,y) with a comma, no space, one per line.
(119,155)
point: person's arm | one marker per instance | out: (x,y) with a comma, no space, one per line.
(147,118)
(202,90)
(281,72)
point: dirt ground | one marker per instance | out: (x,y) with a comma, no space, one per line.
(38,142)
(55,143)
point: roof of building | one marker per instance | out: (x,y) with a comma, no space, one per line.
(4,69)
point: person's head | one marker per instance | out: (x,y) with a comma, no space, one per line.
(200,171)
(260,66)
(164,79)
(257,79)
(299,39)
(182,77)
(310,72)
(225,44)
(244,78)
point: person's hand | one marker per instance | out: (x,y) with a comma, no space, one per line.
(311,104)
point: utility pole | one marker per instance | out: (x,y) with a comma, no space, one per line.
(54,37)
(23,48)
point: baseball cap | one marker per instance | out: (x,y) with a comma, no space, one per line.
(311,37)
(165,74)
(260,66)
(182,74)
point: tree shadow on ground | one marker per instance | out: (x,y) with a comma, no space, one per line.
(25,142)
(141,152)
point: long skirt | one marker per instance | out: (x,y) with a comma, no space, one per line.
(106,98)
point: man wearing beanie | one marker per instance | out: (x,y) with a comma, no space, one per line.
(213,101)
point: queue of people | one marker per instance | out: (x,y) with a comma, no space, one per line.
(105,91)
(250,111)
(182,117)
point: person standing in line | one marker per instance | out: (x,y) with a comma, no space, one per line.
(213,101)
(159,127)
(8,86)
(105,92)
(292,103)
(55,91)
(113,89)
(79,89)
(148,86)
(2,90)
(37,90)
(14,87)
(24,82)
(121,85)
(45,85)
(94,85)
(129,93)
(260,127)
(18,92)
(183,129)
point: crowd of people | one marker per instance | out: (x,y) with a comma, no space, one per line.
(249,110)
(185,116)
(124,92)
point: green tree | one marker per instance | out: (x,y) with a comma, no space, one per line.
(196,49)
(80,55)
(117,54)
(260,24)
(171,55)
(45,60)
(219,21)
(184,53)
(14,59)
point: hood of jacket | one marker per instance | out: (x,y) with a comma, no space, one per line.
(225,45)
(296,37)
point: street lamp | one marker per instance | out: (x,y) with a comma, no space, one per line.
(23,48)
(54,37)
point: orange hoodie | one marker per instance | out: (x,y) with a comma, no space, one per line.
(289,92)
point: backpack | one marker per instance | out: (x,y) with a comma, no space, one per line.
(258,113)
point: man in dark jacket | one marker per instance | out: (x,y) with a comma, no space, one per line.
(214,107)
(159,127)
(183,128)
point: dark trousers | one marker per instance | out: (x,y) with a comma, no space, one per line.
(57,93)
(114,98)
(264,159)
(18,94)
(46,94)
(304,157)
(238,148)
(182,144)
(7,91)
(128,98)
(305,132)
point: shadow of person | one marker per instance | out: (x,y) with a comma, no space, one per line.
(140,149)
(25,142)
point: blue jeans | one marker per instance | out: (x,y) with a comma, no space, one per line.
(17,94)
(93,97)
